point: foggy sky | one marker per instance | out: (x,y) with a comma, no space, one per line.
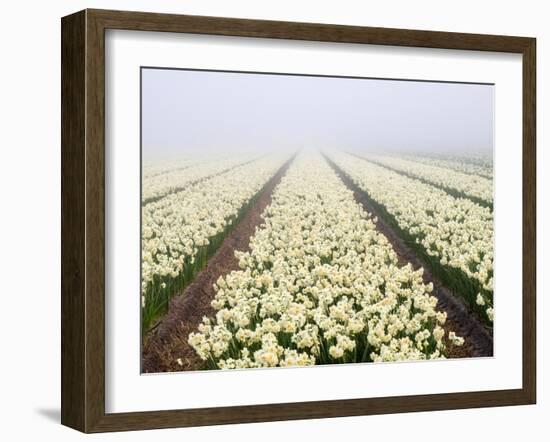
(185,111)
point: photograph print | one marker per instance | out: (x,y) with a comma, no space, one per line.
(298,220)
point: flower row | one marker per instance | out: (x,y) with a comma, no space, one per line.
(482,170)
(320,285)
(160,185)
(471,186)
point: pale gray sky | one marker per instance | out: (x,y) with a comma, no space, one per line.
(185,111)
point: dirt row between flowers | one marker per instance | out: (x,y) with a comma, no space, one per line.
(166,347)
(478,341)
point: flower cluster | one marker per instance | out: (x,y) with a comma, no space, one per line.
(456,231)
(320,285)
(470,185)
(156,185)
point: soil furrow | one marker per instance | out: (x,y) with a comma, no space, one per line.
(478,341)
(166,347)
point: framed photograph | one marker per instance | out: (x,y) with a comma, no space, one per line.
(268,220)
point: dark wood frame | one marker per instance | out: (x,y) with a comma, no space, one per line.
(83,216)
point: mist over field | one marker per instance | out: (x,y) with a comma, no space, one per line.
(187,112)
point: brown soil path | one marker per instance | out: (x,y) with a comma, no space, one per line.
(478,341)
(168,341)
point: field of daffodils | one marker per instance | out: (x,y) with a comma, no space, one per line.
(318,281)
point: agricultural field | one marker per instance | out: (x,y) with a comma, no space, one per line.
(314,257)
(305,220)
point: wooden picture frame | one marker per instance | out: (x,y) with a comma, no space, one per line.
(83,219)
